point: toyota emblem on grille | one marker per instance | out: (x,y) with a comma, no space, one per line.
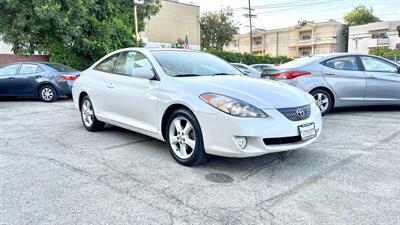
(300,113)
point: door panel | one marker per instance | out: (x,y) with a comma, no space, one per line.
(133,101)
(7,75)
(26,81)
(383,81)
(346,79)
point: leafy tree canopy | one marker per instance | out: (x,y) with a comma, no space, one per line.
(217,29)
(73,32)
(360,15)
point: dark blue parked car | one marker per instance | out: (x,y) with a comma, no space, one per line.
(43,79)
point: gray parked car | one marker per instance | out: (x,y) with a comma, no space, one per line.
(262,67)
(343,79)
(43,79)
(247,70)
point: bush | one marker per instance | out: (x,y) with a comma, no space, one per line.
(384,51)
(250,59)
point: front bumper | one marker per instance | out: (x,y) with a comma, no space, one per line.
(220,131)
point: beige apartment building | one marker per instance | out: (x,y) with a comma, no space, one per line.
(174,21)
(305,38)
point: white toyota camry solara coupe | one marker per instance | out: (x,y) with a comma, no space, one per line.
(197,103)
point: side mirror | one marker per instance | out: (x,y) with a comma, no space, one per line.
(144,73)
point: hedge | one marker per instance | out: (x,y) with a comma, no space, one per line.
(250,59)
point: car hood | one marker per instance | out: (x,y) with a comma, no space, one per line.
(264,94)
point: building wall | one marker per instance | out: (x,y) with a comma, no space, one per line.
(174,21)
(5,48)
(10,58)
(361,37)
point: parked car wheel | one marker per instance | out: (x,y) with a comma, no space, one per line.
(48,94)
(323,99)
(184,138)
(88,116)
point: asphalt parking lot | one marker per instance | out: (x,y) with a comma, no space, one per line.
(52,171)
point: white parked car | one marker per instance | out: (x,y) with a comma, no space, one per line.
(196,102)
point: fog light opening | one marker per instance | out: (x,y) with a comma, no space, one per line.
(242,142)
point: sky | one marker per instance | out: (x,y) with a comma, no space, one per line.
(273,14)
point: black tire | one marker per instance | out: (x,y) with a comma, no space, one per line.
(69,96)
(325,95)
(48,94)
(95,125)
(198,155)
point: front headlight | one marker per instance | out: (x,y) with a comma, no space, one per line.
(232,106)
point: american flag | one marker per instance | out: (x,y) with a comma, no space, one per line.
(186,43)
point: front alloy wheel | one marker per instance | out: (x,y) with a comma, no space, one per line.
(184,138)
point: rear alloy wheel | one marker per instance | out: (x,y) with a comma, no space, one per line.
(48,94)
(89,119)
(184,138)
(323,100)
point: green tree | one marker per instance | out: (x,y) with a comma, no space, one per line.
(72,32)
(358,16)
(217,29)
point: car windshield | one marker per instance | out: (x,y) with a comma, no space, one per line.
(300,62)
(188,63)
(60,67)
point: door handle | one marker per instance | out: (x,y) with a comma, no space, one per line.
(372,77)
(11,78)
(330,74)
(110,86)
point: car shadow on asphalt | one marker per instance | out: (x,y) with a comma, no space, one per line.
(30,99)
(363,109)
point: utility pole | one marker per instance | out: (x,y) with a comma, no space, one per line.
(251,28)
(135,15)
(250,15)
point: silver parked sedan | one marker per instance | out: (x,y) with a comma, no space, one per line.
(197,103)
(343,79)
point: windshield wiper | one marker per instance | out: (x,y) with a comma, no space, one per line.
(217,74)
(187,75)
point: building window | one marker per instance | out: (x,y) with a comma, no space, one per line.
(318,36)
(379,35)
(305,37)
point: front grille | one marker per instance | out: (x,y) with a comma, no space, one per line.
(296,113)
(282,140)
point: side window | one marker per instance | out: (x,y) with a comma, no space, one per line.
(342,63)
(377,65)
(107,65)
(258,68)
(142,62)
(9,70)
(128,61)
(125,63)
(28,69)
